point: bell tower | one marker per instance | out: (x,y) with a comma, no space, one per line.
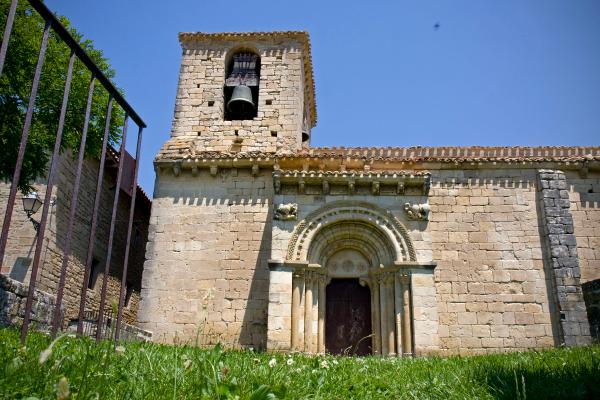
(244,92)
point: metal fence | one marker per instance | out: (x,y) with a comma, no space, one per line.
(51,22)
(108,329)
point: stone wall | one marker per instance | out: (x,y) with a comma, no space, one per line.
(494,285)
(584,194)
(22,239)
(206,272)
(491,283)
(13,296)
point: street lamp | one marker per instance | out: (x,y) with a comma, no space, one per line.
(32,203)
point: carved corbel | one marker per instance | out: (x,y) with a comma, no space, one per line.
(375,188)
(214,170)
(351,186)
(419,212)
(400,188)
(194,170)
(426,185)
(255,169)
(584,169)
(301,186)
(177,169)
(325,187)
(277,184)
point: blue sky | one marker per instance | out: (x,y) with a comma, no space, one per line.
(508,72)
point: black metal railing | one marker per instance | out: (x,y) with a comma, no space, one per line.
(51,22)
(108,329)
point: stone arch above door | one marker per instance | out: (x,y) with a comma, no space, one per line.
(373,225)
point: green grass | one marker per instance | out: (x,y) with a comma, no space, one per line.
(153,371)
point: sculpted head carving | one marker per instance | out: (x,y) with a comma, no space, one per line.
(286,212)
(419,212)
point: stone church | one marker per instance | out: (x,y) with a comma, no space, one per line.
(257,239)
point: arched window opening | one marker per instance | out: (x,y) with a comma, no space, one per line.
(241,86)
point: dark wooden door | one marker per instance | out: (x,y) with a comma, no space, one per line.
(348,318)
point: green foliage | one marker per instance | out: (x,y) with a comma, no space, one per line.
(15,87)
(153,371)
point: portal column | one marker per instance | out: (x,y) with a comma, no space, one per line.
(406,316)
(398,308)
(384,313)
(321,316)
(308,306)
(375,321)
(389,287)
(297,287)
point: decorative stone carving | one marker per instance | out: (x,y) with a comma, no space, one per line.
(286,212)
(418,212)
(177,169)
(384,221)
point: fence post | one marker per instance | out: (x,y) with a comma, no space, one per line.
(72,209)
(127,245)
(27,124)
(92,238)
(111,233)
(7,30)
(47,201)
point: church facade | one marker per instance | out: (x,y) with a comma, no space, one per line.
(257,239)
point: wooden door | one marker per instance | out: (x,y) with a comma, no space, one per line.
(348,318)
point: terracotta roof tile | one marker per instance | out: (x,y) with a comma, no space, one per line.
(181,148)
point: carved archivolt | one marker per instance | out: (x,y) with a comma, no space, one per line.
(360,224)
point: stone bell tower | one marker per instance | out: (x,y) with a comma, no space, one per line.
(242,92)
(244,100)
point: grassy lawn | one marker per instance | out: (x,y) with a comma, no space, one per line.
(81,369)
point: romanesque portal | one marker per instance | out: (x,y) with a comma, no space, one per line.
(332,248)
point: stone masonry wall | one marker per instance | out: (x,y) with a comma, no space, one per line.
(491,285)
(584,195)
(13,296)
(199,106)
(559,237)
(22,237)
(206,274)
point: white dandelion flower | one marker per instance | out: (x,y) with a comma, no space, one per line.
(272,362)
(62,389)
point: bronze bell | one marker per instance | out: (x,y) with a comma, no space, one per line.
(241,101)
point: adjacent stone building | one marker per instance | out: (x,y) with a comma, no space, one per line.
(257,239)
(23,238)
